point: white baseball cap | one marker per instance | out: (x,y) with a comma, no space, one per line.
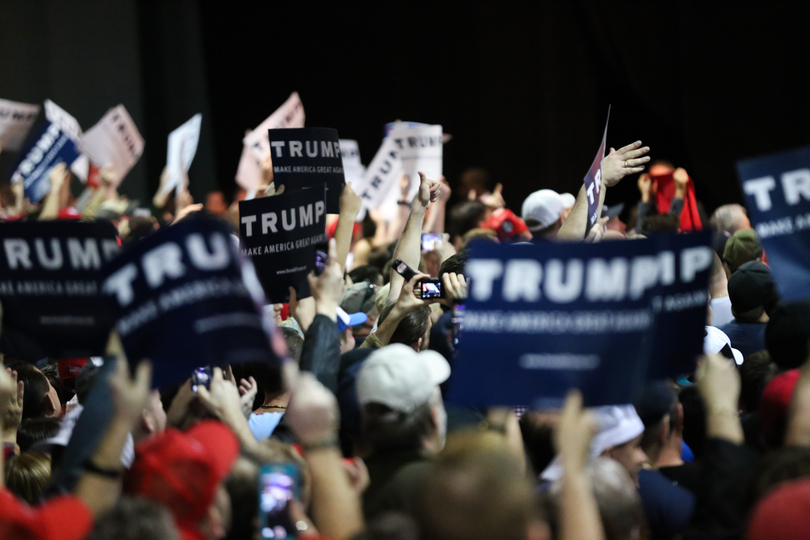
(541,209)
(568,200)
(714,342)
(616,424)
(400,378)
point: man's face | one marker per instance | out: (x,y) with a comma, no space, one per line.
(630,456)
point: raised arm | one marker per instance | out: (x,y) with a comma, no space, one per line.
(100,484)
(579,514)
(313,417)
(618,164)
(350,203)
(409,248)
(58,176)
(435,219)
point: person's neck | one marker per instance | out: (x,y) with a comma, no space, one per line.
(274,403)
(670,455)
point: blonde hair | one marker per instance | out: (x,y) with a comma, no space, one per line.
(28,475)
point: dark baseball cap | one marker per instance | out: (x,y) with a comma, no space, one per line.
(751,286)
(742,247)
(655,402)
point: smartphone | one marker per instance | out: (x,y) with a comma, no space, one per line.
(431,288)
(201,377)
(321,260)
(403,270)
(279,485)
(431,241)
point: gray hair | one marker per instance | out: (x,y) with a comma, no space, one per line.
(728,218)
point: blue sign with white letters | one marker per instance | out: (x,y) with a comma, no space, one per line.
(46,148)
(543,319)
(184,298)
(593,180)
(777,193)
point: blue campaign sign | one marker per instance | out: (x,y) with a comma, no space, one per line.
(46,148)
(777,190)
(50,273)
(185,299)
(542,319)
(593,180)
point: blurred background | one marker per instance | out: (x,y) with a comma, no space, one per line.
(524,91)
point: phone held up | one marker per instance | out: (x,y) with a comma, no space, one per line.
(279,486)
(430,288)
(201,377)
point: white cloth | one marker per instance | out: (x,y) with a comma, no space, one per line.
(721,311)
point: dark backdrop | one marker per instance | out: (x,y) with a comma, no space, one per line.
(524,91)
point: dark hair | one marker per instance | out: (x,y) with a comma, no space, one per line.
(412,327)
(380,255)
(538,440)
(660,223)
(755,373)
(454,263)
(243,489)
(139,227)
(34,430)
(295,343)
(133,518)
(694,419)
(387,430)
(777,467)
(787,334)
(369,228)
(466,216)
(368,273)
(36,389)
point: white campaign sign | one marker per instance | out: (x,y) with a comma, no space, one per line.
(420,148)
(257,143)
(182,148)
(114,141)
(353,168)
(249,172)
(16,120)
(289,115)
(382,175)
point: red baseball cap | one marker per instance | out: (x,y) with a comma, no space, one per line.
(784,513)
(181,470)
(60,518)
(774,403)
(506,224)
(69,213)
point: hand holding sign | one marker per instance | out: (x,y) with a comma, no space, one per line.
(627,160)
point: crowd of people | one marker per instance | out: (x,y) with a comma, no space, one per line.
(357,409)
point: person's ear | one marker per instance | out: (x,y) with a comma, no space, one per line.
(418,345)
(679,421)
(665,433)
(148,422)
(50,406)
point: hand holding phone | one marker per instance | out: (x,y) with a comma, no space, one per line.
(403,270)
(431,241)
(278,487)
(201,377)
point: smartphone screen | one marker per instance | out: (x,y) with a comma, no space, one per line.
(321,260)
(432,289)
(431,241)
(278,487)
(201,377)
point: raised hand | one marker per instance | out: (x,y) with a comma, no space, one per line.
(248,390)
(327,289)
(494,200)
(574,433)
(627,160)
(681,179)
(410,297)
(350,202)
(429,190)
(130,395)
(12,402)
(404,186)
(313,411)
(645,187)
(456,287)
